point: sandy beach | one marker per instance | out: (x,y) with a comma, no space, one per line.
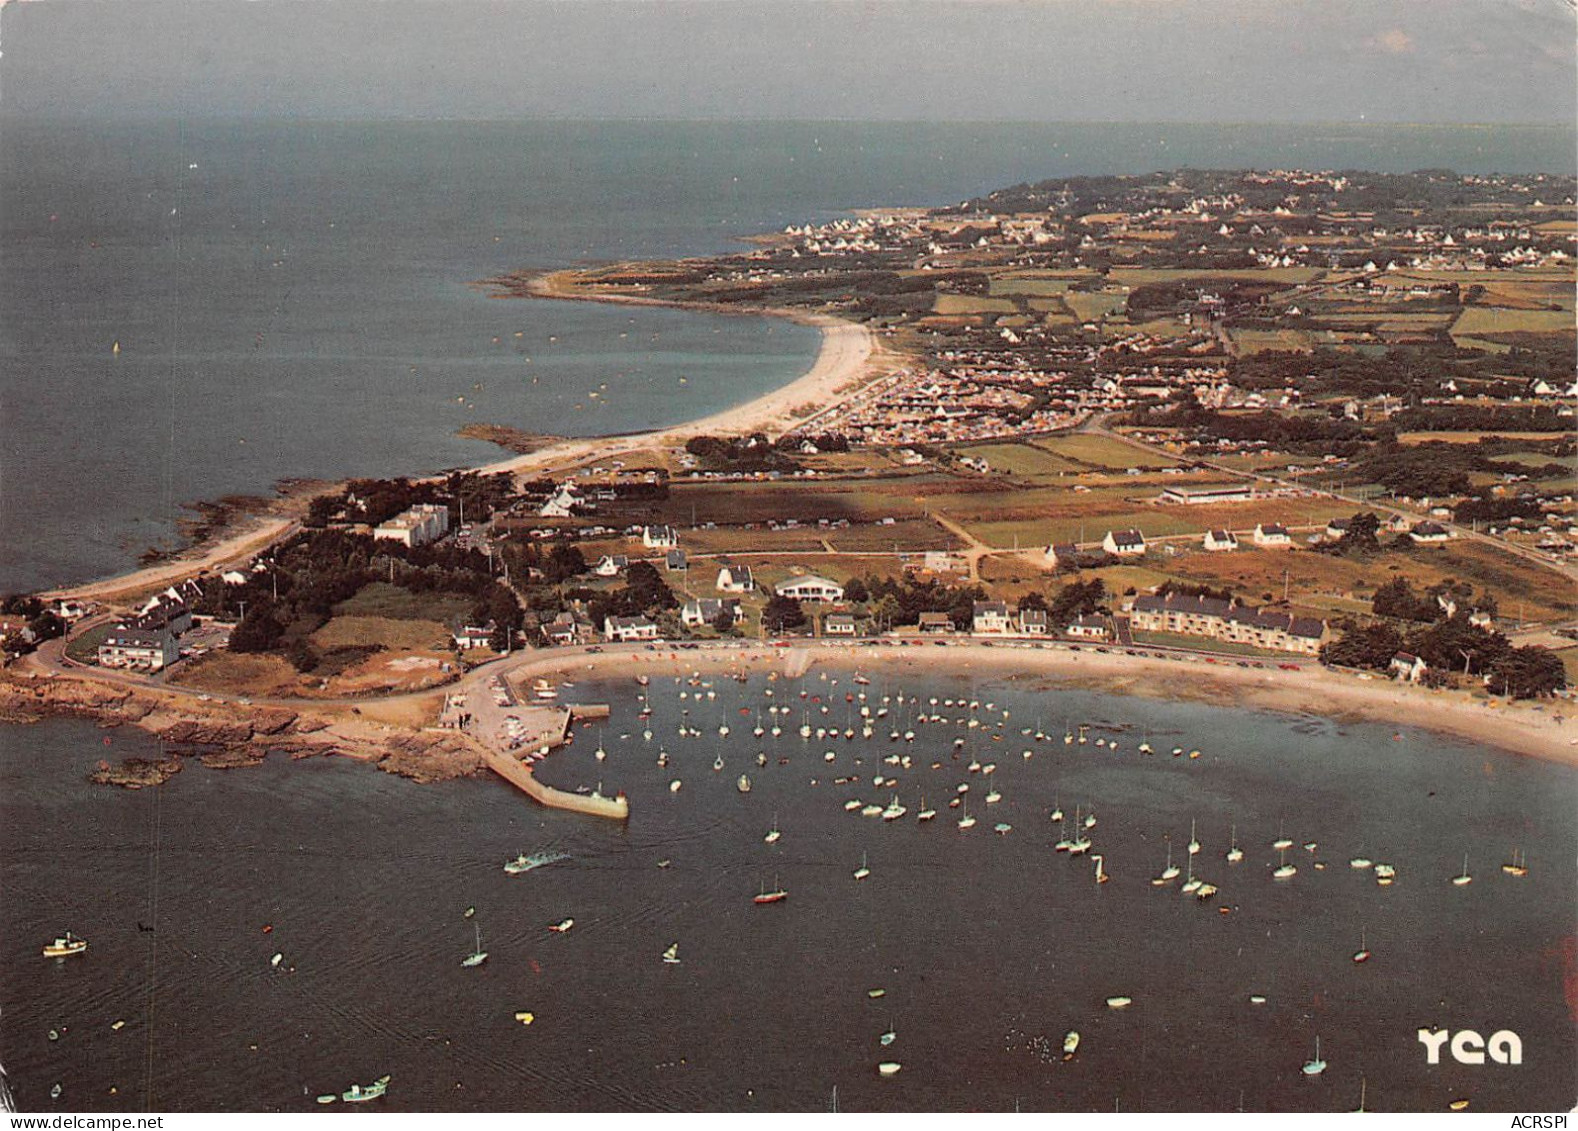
(847,359)
(1523,728)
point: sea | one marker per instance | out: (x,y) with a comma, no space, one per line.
(299,299)
(980,949)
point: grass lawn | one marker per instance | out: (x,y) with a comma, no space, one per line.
(1088,307)
(236,673)
(1136,276)
(1206,643)
(85,648)
(380,599)
(395,633)
(1023,459)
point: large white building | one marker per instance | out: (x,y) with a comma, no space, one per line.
(423,523)
(811,588)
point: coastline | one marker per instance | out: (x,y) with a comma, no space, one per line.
(847,358)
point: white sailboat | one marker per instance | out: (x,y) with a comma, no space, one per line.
(1316,1066)
(1465,878)
(1191,883)
(1518,866)
(1234,853)
(1363,953)
(1285,871)
(967,821)
(1169,873)
(1194,842)
(671,955)
(772,834)
(864,870)
(478,956)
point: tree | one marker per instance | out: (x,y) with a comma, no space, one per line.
(1527,673)
(46,626)
(1032,600)
(1456,644)
(723,623)
(855,590)
(1371,646)
(1361,536)
(782,614)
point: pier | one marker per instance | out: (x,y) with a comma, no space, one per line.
(518,774)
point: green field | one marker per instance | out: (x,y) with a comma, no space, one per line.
(1023,459)
(85,648)
(1479,321)
(1259,341)
(1103,451)
(380,599)
(1089,307)
(1138,276)
(973,304)
(1029,286)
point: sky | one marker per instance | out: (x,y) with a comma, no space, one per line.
(1426,61)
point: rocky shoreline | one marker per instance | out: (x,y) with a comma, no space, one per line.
(229,736)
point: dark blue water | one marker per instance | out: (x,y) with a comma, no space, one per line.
(989,947)
(292,299)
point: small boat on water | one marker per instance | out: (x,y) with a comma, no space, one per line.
(1518,865)
(1316,1066)
(356,1094)
(777,895)
(871,811)
(1119,1002)
(525,863)
(852,804)
(894,810)
(1464,878)
(1363,953)
(1234,853)
(717,763)
(967,821)
(544,690)
(1385,874)
(673,786)
(889,1068)
(1194,841)
(1002,828)
(1071,1044)
(926,812)
(65,946)
(773,834)
(562,926)
(477,956)
(993,797)
(743,784)
(671,955)
(864,870)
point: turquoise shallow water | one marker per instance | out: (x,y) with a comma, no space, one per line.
(989,947)
(291,298)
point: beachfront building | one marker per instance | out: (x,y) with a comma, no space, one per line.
(811,588)
(1033,622)
(838,624)
(1429,534)
(706,611)
(1214,618)
(735,579)
(421,524)
(990,618)
(935,624)
(1219,541)
(1408,667)
(659,537)
(1124,543)
(629,628)
(1196,496)
(1272,534)
(1089,626)
(139,649)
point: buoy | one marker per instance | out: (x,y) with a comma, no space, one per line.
(525,1018)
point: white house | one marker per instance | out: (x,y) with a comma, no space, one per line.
(1337,527)
(629,628)
(611,565)
(1033,622)
(1407,666)
(562,503)
(705,610)
(1062,556)
(811,588)
(838,624)
(989,618)
(1124,543)
(1429,533)
(474,636)
(1089,626)
(1272,534)
(1220,540)
(735,579)
(659,537)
